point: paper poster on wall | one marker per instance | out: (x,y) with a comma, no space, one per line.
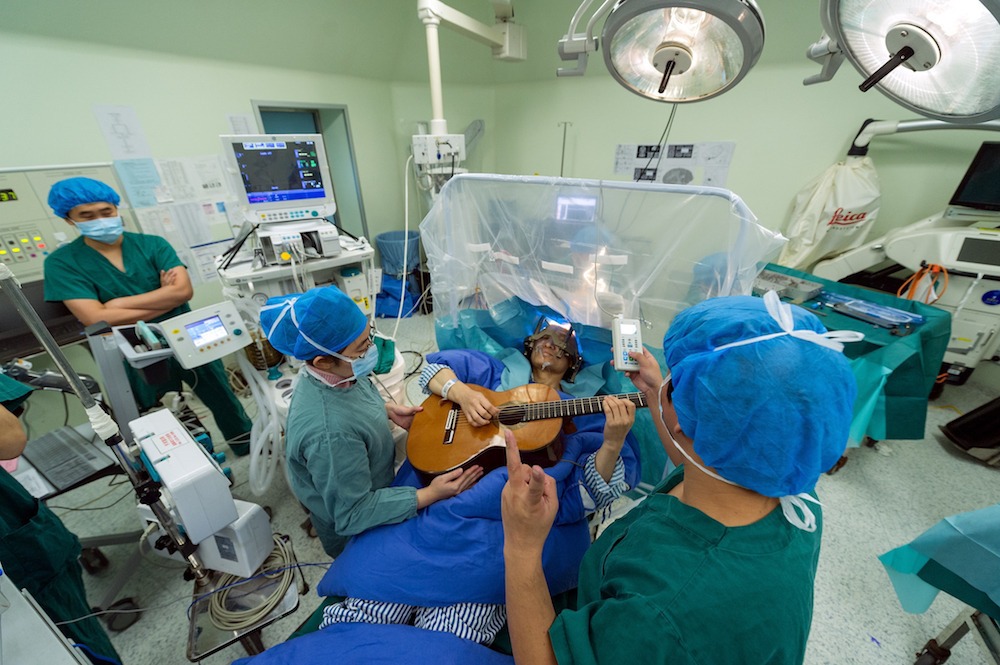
(192,179)
(141,181)
(705,163)
(122,132)
(204,259)
(242,123)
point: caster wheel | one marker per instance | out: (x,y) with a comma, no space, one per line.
(93,560)
(119,622)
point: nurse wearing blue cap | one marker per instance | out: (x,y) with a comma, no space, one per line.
(112,275)
(338,444)
(717,564)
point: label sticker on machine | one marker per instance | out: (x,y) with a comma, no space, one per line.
(991,297)
(165,442)
(206,331)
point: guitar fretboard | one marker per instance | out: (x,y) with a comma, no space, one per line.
(567,408)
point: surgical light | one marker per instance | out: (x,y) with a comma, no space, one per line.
(671,51)
(939,58)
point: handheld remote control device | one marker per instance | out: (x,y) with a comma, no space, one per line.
(624,338)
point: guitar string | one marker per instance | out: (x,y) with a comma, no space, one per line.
(547,410)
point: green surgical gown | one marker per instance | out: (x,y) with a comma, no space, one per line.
(340,455)
(76,271)
(40,554)
(668,584)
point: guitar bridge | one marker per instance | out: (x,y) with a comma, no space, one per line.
(451,423)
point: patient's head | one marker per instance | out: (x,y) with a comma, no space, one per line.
(554,349)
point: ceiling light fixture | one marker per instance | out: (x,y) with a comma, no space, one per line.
(939,58)
(670,51)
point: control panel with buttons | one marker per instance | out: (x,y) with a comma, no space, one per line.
(206,334)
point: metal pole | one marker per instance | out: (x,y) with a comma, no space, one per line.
(562,160)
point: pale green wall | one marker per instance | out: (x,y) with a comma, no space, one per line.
(786,134)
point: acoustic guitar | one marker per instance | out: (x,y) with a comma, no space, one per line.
(442,439)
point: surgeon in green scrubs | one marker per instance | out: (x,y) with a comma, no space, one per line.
(717,565)
(37,552)
(108,274)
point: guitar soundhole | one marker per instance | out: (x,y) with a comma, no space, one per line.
(509,419)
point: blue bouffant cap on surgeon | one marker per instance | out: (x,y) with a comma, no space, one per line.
(319,322)
(771,410)
(72,192)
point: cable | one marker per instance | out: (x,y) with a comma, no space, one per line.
(83,508)
(266,438)
(928,276)
(406,241)
(276,567)
(90,654)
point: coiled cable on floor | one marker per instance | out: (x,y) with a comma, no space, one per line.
(278,566)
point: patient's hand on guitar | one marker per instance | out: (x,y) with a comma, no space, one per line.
(619,416)
(448,485)
(476,406)
(528,504)
(649,377)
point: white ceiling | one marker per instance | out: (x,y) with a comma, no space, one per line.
(375,39)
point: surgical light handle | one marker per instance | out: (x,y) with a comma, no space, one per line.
(102,424)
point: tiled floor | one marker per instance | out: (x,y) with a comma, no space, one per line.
(882,498)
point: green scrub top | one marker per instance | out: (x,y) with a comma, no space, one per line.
(39,554)
(77,271)
(340,455)
(668,584)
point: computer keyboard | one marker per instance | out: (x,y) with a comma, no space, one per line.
(65,457)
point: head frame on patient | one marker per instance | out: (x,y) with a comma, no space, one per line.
(563,337)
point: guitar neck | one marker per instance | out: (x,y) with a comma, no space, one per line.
(568,408)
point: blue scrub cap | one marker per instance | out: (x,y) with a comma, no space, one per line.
(771,409)
(72,192)
(318,322)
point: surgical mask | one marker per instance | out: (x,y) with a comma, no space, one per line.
(361,367)
(105,229)
(793,506)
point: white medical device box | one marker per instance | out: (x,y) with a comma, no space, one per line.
(196,486)
(354,283)
(238,549)
(205,334)
(625,337)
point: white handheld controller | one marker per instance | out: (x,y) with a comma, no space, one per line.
(624,338)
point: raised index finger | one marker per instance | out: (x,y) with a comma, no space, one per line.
(513,454)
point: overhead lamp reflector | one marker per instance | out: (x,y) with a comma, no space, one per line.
(682,50)
(940,58)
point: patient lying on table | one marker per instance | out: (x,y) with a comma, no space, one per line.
(443,569)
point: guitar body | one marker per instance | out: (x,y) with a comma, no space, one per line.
(441,439)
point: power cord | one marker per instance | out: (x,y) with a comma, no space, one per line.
(276,566)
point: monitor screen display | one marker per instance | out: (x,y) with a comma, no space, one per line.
(980,250)
(576,208)
(980,188)
(206,331)
(277,171)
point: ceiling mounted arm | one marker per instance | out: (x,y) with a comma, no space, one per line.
(872,128)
